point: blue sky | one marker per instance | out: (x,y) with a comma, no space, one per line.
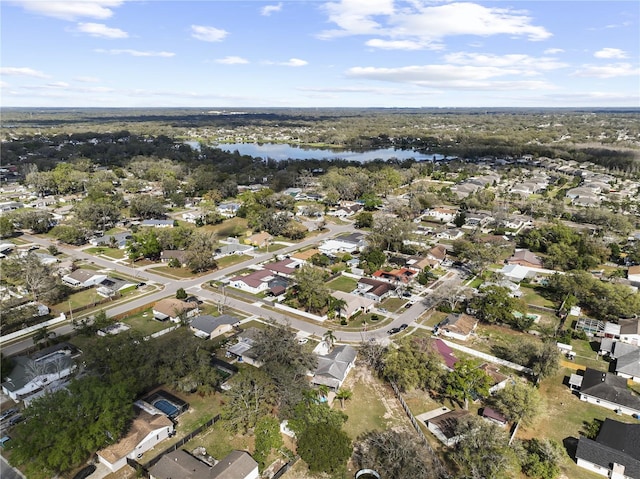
(351,53)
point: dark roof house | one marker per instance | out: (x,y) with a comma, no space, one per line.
(614,453)
(610,391)
(333,368)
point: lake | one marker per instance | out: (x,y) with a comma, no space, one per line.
(279,152)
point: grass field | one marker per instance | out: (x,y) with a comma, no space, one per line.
(564,416)
(76,300)
(232,259)
(230,227)
(144,323)
(114,253)
(343,283)
(393,304)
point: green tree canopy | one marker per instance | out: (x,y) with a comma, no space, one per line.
(324,447)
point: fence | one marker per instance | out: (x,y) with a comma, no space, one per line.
(440,469)
(280,472)
(144,468)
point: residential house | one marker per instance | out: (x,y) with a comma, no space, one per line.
(444,215)
(499,380)
(333,368)
(192,217)
(375,289)
(182,465)
(243,349)
(112,286)
(149,427)
(445,352)
(444,426)
(346,210)
(458,326)
(450,234)
(419,263)
(118,240)
(353,303)
(228,210)
(608,390)
(172,309)
(627,358)
(524,257)
(438,253)
(633,275)
(254,283)
(494,416)
(157,223)
(232,248)
(40,371)
(259,240)
(84,278)
(614,453)
(343,244)
(168,255)
(208,327)
(304,257)
(630,331)
(402,275)
(285,267)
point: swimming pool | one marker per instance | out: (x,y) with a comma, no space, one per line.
(166,407)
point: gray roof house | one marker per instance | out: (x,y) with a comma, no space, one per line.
(333,368)
(180,464)
(208,327)
(614,453)
(610,391)
(627,358)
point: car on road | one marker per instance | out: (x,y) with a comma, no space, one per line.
(394,330)
(402,327)
(16,419)
(408,305)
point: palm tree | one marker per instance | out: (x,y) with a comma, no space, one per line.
(336,305)
(343,395)
(323,390)
(329,338)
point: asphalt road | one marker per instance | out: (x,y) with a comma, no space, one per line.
(8,472)
(193,286)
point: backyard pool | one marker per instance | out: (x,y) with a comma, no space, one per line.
(167,407)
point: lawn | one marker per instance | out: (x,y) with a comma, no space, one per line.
(343,283)
(393,304)
(113,253)
(232,259)
(272,248)
(76,300)
(432,318)
(563,417)
(144,323)
(531,296)
(493,335)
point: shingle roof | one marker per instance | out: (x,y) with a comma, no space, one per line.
(630,326)
(333,367)
(208,323)
(609,388)
(618,443)
(627,359)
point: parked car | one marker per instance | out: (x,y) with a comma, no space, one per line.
(394,330)
(4,440)
(7,413)
(16,419)
(402,327)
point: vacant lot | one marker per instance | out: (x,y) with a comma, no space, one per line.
(343,283)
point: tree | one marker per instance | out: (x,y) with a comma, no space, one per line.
(343,395)
(6,227)
(374,258)
(363,219)
(268,437)
(286,362)
(482,451)
(477,255)
(518,402)
(542,458)
(413,365)
(395,454)
(324,447)
(49,441)
(373,354)
(251,397)
(465,380)
(546,361)
(200,253)
(329,338)
(73,233)
(494,305)
(388,233)
(181,294)
(311,290)
(147,206)
(144,244)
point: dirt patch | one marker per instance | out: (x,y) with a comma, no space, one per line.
(383,392)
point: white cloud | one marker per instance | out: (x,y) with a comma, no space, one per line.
(22,71)
(553,51)
(395,44)
(427,23)
(58,84)
(87,79)
(527,65)
(610,53)
(135,53)
(71,10)
(101,30)
(232,60)
(208,34)
(269,9)
(457,77)
(611,70)
(292,62)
